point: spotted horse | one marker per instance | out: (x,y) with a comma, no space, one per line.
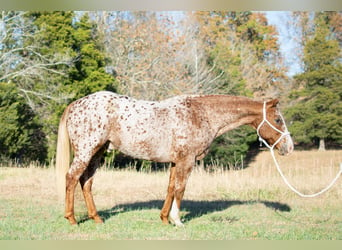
(178,130)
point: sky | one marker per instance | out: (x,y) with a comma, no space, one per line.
(287,39)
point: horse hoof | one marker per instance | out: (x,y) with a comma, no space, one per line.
(71,220)
(165,221)
(98,220)
(176,222)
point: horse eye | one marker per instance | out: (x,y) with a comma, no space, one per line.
(278,121)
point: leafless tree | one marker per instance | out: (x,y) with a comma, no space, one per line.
(155,56)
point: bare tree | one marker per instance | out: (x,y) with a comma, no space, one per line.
(155,56)
(22,62)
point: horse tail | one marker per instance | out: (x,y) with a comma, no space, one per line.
(62,155)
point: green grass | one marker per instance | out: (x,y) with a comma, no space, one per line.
(249,204)
(26,219)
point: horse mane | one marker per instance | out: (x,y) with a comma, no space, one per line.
(226,103)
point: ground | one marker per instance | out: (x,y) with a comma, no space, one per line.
(252,203)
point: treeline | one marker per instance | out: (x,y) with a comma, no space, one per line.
(49,59)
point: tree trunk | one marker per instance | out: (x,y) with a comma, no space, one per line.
(321,144)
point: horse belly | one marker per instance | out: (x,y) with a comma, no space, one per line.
(147,148)
(143,137)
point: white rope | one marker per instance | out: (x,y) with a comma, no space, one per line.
(298,192)
(285,133)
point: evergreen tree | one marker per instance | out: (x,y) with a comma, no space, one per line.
(317,116)
(88,74)
(66,35)
(21,135)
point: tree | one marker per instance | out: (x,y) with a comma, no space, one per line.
(316,116)
(154,56)
(36,73)
(22,61)
(244,48)
(72,36)
(21,135)
(52,58)
(88,73)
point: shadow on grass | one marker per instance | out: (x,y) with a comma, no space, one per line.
(195,209)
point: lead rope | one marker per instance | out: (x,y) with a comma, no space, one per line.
(285,133)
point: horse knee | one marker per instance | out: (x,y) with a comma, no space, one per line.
(180,189)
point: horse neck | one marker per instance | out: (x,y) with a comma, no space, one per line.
(228,112)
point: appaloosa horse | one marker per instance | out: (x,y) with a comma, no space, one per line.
(177,130)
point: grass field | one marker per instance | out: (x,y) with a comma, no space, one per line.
(252,203)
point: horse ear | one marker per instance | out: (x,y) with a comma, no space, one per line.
(273,103)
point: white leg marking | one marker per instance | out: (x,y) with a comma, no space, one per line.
(174,214)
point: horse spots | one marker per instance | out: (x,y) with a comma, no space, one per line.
(165,130)
(178,130)
(181,137)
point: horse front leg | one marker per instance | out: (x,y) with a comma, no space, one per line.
(164,214)
(181,174)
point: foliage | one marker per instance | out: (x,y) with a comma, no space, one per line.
(242,46)
(88,74)
(318,109)
(155,56)
(230,149)
(62,34)
(21,136)
(53,58)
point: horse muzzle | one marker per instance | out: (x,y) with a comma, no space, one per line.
(286,146)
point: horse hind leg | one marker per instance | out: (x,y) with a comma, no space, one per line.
(72,177)
(77,169)
(86,181)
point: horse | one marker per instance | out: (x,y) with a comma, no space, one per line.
(178,130)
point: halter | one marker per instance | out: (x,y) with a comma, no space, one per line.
(282,133)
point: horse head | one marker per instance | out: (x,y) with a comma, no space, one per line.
(272,130)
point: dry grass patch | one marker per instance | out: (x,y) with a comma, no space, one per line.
(251,203)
